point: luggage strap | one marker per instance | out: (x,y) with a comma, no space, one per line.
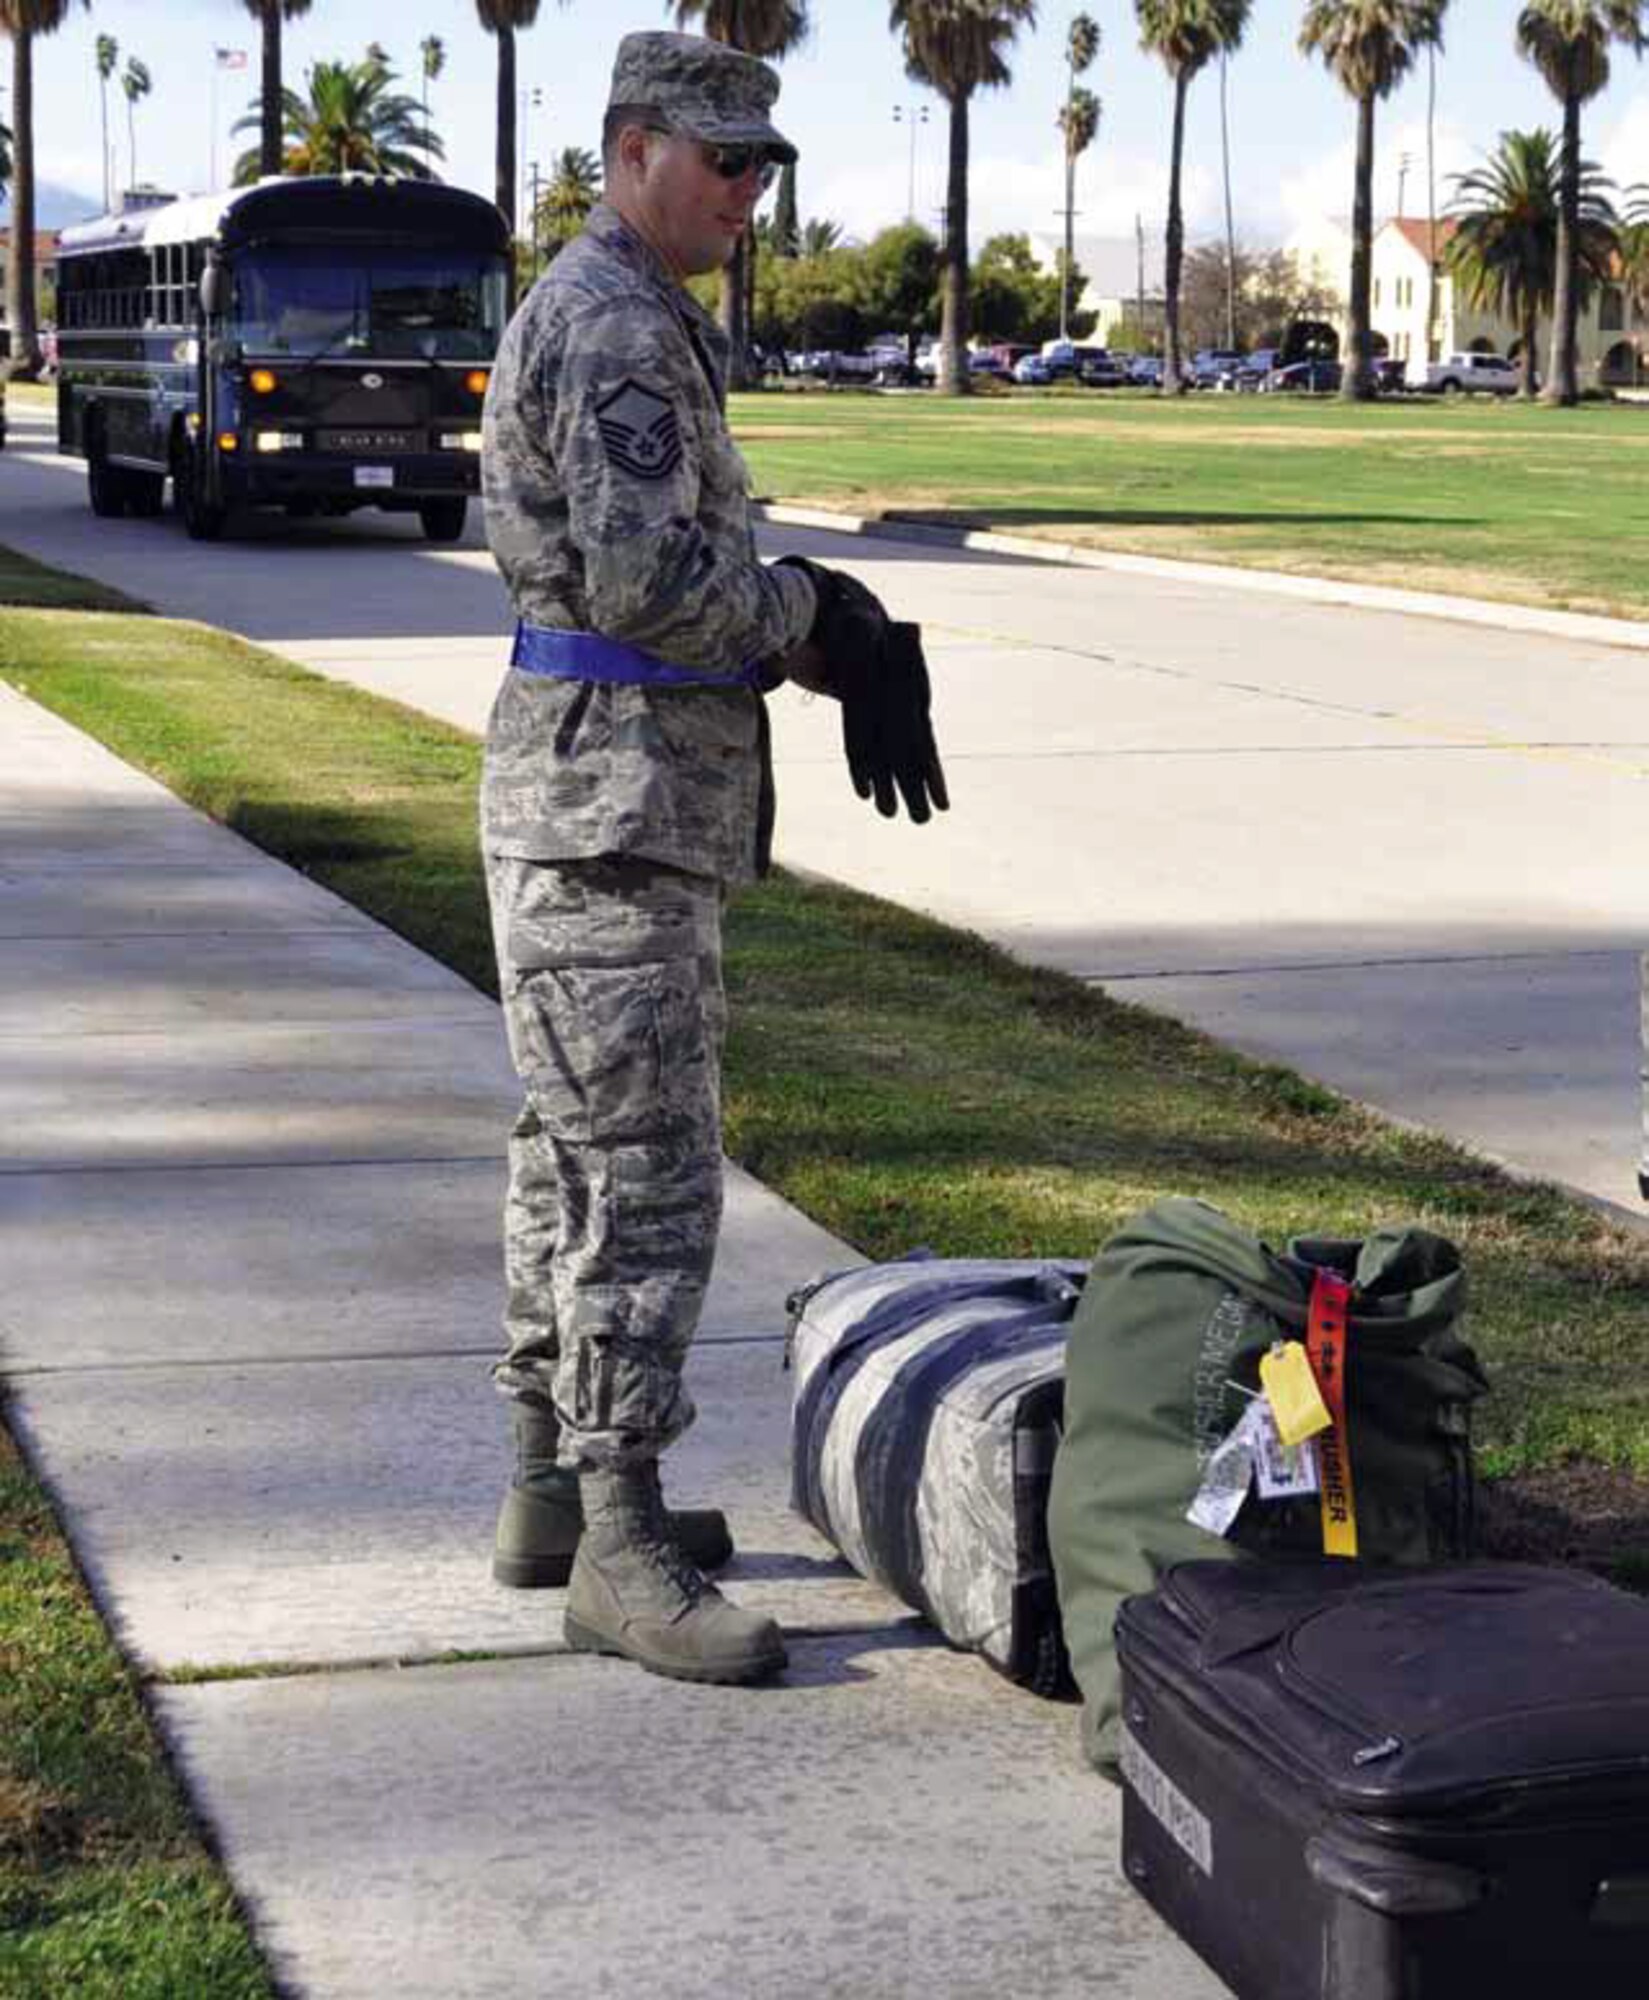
(588,656)
(1329,1318)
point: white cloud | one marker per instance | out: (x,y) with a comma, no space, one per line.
(1623,151)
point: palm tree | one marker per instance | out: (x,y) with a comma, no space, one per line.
(136,83)
(271,93)
(1368,46)
(573,189)
(351,122)
(771,29)
(108,54)
(503,20)
(1568,42)
(819,236)
(1503,253)
(432,53)
(1186,34)
(957,47)
(1079,123)
(23,20)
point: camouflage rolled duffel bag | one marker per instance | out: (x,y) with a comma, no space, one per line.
(1171,1448)
(924,1425)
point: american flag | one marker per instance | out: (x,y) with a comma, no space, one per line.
(231,58)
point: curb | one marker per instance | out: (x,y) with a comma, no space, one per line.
(1583,626)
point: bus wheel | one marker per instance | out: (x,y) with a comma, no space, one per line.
(202,521)
(106,485)
(443,519)
(145,494)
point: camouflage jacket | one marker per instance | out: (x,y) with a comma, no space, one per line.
(617,503)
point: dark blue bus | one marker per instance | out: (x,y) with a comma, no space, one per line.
(316,345)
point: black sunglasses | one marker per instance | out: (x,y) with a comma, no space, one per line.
(732,163)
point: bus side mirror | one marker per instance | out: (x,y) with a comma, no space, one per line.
(214,289)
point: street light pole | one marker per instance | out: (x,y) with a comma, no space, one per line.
(912,115)
(533,169)
(532,99)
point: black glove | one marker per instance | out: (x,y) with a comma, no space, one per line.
(875,669)
(887,731)
(848,624)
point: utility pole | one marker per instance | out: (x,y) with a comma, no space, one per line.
(1404,162)
(533,170)
(532,99)
(911,115)
(1139,271)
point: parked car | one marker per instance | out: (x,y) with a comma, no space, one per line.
(1388,375)
(1208,364)
(1311,378)
(1473,374)
(1033,369)
(1097,368)
(1250,372)
(1145,371)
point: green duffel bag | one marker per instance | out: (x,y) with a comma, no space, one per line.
(1163,1368)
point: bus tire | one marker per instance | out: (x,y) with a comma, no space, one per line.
(106,486)
(443,519)
(202,521)
(145,494)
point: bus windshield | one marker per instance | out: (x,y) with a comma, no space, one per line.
(431,304)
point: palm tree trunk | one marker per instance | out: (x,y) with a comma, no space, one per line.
(735,321)
(503,179)
(1173,254)
(269,129)
(1525,354)
(1070,244)
(1355,383)
(954,379)
(108,187)
(131,140)
(20,305)
(1561,384)
(1230,225)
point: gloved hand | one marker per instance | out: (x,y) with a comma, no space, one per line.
(876,670)
(847,626)
(887,731)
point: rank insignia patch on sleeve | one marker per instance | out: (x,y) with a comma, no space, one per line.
(640,431)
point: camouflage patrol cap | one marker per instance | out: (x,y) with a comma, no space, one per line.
(700,87)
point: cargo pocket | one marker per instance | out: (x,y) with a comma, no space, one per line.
(611,1053)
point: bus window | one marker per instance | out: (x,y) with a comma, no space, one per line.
(408,304)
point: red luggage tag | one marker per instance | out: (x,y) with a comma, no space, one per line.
(1326,1344)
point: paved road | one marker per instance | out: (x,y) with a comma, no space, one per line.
(1406,855)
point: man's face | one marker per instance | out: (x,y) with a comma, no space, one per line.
(693,214)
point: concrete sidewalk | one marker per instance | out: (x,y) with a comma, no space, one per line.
(250,1199)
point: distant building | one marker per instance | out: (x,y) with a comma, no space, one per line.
(1125,310)
(1613,342)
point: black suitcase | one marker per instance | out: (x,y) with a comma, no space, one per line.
(1353,1784)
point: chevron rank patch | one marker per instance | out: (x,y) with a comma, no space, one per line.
(640,431)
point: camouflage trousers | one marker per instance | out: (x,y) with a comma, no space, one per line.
(610,975)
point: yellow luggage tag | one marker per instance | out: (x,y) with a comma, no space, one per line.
(1291,1390)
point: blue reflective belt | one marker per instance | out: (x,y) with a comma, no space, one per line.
(587,656)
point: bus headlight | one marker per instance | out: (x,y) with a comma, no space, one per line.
(460,440)
(279,441)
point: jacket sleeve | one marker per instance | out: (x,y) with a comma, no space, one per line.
(657,502)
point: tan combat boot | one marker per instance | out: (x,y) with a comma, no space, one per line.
(542,1517)
(634,1593)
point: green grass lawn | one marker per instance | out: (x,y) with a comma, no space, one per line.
(1489,499)
(902,1082)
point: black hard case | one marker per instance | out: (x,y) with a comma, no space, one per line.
(1369,1785)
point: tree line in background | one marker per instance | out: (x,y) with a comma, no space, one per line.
(955,48)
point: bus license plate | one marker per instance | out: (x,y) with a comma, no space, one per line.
(375,475)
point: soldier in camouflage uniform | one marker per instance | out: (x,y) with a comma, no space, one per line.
(626,786)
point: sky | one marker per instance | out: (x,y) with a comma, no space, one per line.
(1291,126)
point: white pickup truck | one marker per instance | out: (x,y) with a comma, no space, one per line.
(1473,374)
